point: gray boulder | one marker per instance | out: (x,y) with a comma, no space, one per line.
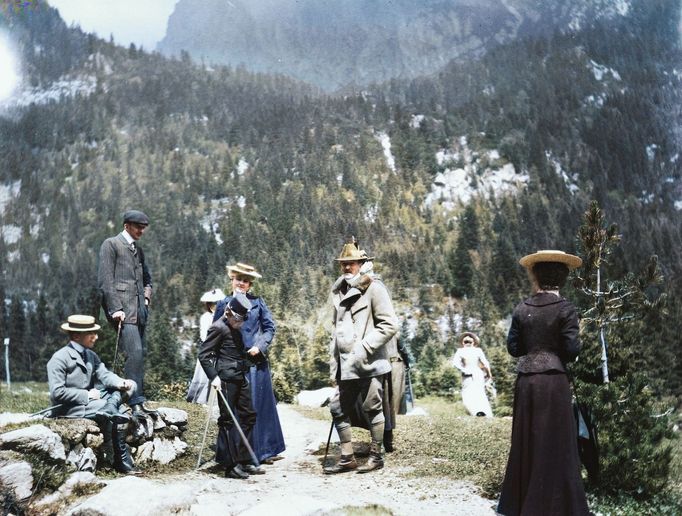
(173,416)
(35,438)
(16,475)
(82,458)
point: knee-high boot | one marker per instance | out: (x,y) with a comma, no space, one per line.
(123,461)
(107,450)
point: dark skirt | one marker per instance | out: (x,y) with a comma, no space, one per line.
(268,439)
(543,470)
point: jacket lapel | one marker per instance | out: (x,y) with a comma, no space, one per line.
(75,355)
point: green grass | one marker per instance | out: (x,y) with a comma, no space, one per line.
(28,397)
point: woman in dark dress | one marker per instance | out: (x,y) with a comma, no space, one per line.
(543,470)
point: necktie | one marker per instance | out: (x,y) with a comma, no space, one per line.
(133,248)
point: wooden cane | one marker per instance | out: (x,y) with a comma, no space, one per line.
(329,439)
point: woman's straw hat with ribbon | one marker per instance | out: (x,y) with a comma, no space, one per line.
(242,269)
(550,255)
(471,335)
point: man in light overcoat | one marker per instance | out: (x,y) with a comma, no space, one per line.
(82,387)
(364,322)
(125,285)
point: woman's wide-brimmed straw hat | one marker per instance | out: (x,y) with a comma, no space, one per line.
(242,269)
(80,323)
(477,341)
(550,255)
(212,296)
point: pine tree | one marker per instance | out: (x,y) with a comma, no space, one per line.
(461,264)
(164,363)
(632,423)
(21,355)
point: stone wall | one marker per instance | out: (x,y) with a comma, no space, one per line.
(56,456)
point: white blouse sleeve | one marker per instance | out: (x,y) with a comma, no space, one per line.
(205,322)
(458,361)
(481,357)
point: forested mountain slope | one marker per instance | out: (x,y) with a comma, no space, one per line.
(446,179)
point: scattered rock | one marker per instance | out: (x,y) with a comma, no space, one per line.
(316,398)
(35,438)
(16,475)
(133,496)
(173,416)
(161,450)
(94,441)
(159,424)
(82,458)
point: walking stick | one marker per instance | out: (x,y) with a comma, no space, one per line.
(118,337)
(239,428)
(326,450)
(409,381)
(44,411)
(211,401)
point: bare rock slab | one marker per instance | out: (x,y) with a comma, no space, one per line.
(35,438)
(16,476)
(134,496)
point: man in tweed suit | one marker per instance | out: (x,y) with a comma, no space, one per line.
(125,285)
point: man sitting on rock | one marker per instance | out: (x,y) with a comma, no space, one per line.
(82,387)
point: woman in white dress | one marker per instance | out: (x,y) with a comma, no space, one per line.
(199,386)
(471,362)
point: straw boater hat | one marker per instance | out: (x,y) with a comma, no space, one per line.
(477,341)
(571,261)
(212,296)
(80,323)
(242,269)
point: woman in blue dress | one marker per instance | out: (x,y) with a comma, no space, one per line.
(257,332)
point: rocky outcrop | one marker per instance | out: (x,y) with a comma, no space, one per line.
(72,448)
(357,42)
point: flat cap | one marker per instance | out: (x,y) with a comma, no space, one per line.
(136,217)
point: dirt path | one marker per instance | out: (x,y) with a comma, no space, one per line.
(293,486)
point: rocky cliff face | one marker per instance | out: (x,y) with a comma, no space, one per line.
(335,44)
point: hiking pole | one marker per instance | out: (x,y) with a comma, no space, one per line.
(118,337)
(211,401)
(239,428)
(326,450)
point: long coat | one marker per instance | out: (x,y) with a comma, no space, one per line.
(543,469)
(124,280)
(364,322)
(259,330)
(70,379)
